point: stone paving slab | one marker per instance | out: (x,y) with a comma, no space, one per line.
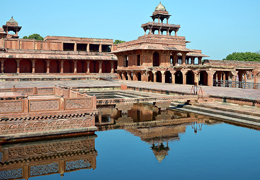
(217,91)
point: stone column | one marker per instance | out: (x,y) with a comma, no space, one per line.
(100,67)
(2,66)
(129,76)
(255,74)
(196,77)
(163,76)
(184,76)
(199,60)
(18,66)
(210,77)
(183,58)
(173,76)
(88,47)
(75,67)
(61,66)
(123,76)
(154,76)
(75,47)
(33,66)
(100,47)
(192,60)
(88,70)
(112,67)
(48,66)
(175,33)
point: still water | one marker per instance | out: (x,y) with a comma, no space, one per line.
(144,143)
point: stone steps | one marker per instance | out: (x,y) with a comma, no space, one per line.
(225,115)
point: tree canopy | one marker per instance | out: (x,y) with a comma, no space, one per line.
(243,56)
(118,41)
(34,36)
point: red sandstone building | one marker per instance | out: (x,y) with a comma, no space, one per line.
(54,54)
(161,56)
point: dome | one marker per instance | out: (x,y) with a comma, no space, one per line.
(160,7)
(160,157)
(12,21)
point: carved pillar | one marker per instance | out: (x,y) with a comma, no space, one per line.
(112,67)
(184,76)
(33,66)
(48,66)
(192,60)
(196,77)
(88,70)
(100,67)
(75,47)
(61,66)
(100,47)
(163,76)
(183,58)
(210,77)
(2,65)
(199,60)
(154,76)
(88,47)
(75,67)
(129,76)
(18,66)
(173,76)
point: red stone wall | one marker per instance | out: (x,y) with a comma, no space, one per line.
(232,63)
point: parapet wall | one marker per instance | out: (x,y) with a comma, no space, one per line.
(232,63)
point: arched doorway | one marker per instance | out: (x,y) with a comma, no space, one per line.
(10,66)
(168,77)
(25,66)
(203,78)
(158,76)
(190,78)
(178,77)
(68,66)
(106,67)
(40,66)
(81,67)
(55,66)
(150,76)
(156,59)
(139,76)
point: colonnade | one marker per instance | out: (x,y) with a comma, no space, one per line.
(56,66)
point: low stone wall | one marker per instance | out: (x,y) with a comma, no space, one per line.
(240,101)
(31,91)
(232,63)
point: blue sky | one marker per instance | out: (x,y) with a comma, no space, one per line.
(218,28)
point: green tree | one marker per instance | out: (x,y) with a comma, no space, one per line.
(34,36)
(243,56)
(118,41)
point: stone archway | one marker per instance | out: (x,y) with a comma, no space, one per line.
(106,67)
(150,76)
(25,66)
(203,78)
(178,77)
(81,67)
(68,66)
(55,66)
(10,66)
(168,77)
(156,59)
(94,67)
(190,78)
(40,66)
(158,76)
(139,76)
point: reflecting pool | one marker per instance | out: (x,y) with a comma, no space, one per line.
(142,143)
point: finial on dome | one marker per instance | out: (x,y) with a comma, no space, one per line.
(160,7)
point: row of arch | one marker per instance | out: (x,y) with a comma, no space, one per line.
(168,78)
(26,66)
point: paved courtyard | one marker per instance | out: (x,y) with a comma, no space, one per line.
(219,91)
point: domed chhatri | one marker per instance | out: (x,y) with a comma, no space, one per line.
(12,21)
(160,7)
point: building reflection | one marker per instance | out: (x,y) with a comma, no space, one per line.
(60,156)
(152,125)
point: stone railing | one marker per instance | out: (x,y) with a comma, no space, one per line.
(236,84)
(31,91)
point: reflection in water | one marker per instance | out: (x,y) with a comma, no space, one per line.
(152,125)
(25,160)
(60,156)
